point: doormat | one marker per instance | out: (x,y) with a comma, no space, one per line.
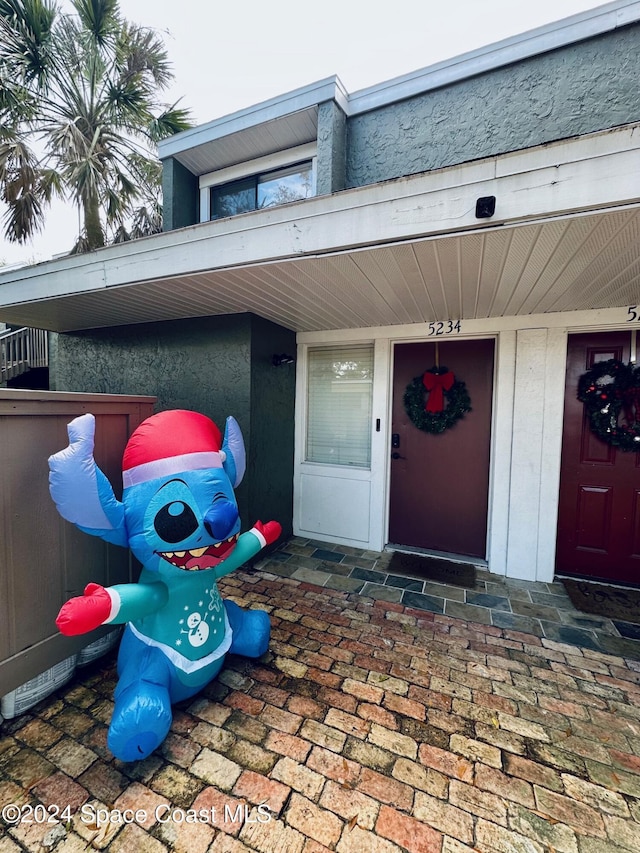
(432,569)
(613,602)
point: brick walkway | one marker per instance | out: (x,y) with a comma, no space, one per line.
(368,727)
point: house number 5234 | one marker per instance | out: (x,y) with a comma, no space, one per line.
(445,327)
(634,313)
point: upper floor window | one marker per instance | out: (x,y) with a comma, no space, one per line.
(266,189)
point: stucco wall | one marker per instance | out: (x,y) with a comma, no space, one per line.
(331,148)
(181,195)
(574,90)
(219,366)
(271,436)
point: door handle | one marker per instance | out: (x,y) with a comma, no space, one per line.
(396,455)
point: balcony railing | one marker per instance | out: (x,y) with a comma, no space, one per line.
(22,350)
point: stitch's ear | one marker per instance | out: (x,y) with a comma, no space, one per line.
(80,490)
(235,460)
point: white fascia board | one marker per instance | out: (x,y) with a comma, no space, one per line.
(567,31)
(300,99)
(578,176)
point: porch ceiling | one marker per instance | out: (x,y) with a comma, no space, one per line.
(564,265)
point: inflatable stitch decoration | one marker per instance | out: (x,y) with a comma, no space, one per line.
(179,517)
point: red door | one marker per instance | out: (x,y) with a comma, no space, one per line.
(440,483)
(599,510)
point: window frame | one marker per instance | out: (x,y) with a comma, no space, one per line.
(271,162)
(253,183)
(342,350)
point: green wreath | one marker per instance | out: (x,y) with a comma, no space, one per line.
(458,403)
(609,389)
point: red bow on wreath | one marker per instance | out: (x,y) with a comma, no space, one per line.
(436,384)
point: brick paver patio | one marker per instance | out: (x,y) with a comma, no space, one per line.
(369,727)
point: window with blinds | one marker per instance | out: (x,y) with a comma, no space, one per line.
(340,389)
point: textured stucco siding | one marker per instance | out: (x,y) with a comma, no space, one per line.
(181,196)
(219,366)
(579,89)
(331,151)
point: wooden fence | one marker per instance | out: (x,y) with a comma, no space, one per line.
(44,560)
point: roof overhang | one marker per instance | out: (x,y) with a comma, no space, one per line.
(276,125)
(565,236)
(291,119)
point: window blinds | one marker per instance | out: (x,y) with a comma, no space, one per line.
(340,386)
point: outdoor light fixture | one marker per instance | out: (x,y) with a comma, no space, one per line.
(279,360)
(485,207)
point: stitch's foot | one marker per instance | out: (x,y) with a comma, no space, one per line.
(251,630)
(141,721)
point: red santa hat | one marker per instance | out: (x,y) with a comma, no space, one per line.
(169,443)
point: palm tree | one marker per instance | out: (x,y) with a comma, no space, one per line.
(79,118)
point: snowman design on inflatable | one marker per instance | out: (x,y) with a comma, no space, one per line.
(179,517)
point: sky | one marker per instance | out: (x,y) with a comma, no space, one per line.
(232,55)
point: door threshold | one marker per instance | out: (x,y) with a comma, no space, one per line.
(440,555)
(560,576)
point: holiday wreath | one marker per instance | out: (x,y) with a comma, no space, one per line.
(611,389)
(433,416)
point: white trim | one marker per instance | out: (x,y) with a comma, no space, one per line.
(328,89)
(527,459)
(597,172)
(526,431)
(261,164)
(500,458)
(551,451)
(380,444)
(205,204)
(345,481)
(599,318)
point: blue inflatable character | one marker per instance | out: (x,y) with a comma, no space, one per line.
(179,517)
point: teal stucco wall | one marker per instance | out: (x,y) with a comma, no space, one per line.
(581,88)
(332,140)
(219,366)
(181,196)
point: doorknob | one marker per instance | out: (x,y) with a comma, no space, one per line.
(396,455)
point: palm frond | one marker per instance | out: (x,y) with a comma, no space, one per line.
(25,33)
(99,18)
(141,53)
(146,220)
(172,120)
(24,218)
(85,85)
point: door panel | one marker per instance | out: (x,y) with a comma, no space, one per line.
(599,512)
(594,516)
(439,485)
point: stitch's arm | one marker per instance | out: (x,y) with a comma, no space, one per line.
(81,492)
(249,544)
(112,605)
